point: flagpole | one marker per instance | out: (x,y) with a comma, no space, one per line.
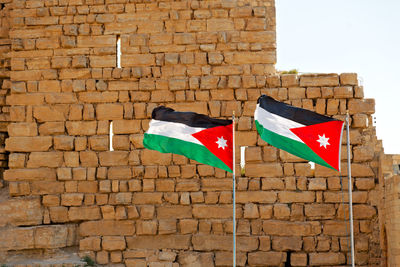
(234,190)
(350,190)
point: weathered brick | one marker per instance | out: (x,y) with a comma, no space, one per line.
(21,212)
(16,239)
(81,127)
(269,258)
(256,197)
(327,258)
(109,111)
(45,159)
(54,236)
(282,228)
(90,243)
(84,213)
(264,170)
(159,242)
(113,243)
(22,129)
(107,228)
(29,144)
(29,174)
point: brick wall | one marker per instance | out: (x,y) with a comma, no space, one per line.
(136,206)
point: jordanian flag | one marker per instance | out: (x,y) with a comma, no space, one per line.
(196,136)
(301,132)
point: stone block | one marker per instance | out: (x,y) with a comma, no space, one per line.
(29,144)
(16,239)
(45,159)
(72,199)
(268,258)
(327,258)
(107,228)
(159,242)
(21,212)
(90,244)
(361,106)
(319,80)
(287,243)
(81,127)
(264,170)
(109,111)
(256,197)
(283,228)
(212,212)
(126,126)
(174,212)
(348,79)
(113,158)
(22,129)
(84,213)
(320,211)
(50,237)
(43,174)
(111,243)
(65,143)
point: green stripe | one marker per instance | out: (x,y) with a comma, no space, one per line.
(190,150)
(293,147)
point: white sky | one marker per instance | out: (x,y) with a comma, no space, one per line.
(336,36)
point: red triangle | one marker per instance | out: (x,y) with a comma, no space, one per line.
(324,139)
(219,141)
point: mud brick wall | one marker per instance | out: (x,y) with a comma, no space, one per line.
(136,206)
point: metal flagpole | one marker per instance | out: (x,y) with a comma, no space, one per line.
(234,190)
(350,190)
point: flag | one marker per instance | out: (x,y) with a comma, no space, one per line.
(301,132)
(196,136)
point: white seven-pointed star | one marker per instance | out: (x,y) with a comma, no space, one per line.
(221,143)
(323,141)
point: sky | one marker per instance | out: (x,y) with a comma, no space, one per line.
(336,36)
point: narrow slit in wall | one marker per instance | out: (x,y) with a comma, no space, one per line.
(111,136)
(118,54)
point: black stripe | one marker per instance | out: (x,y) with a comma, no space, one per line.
(292,113)
(189,118)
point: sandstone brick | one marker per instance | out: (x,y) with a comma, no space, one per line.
(348,79)
(73,199)
(215,25)
(29,174)
(46,187)
(23,212)
(159,242)
(327,258)
(147,198)
(98,97)
(111,243)
(54,236)
(269,258)
(320,211)
(96,41)
(137,60)
(16,239)
(22,129)
(65,143)
(28,144)
(113,158)
(177,212)
(105,228)
(81,127)
(84,213)
(215,242)
(319,80)
(361,106)
(45,159)
(90,243)
(48,113)
(264,170)
(262,57)
(212,212)
(290,243)
(282,228)
(256,197)
(109,111)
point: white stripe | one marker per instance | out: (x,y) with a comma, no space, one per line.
(277,124)
(175,130)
